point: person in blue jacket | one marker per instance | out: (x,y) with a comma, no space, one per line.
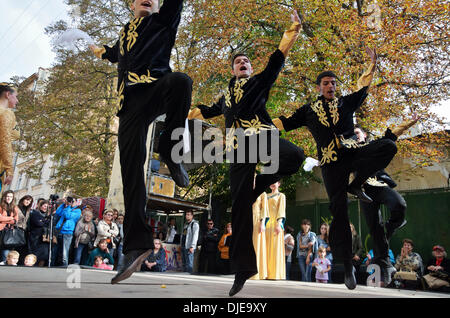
(69,214)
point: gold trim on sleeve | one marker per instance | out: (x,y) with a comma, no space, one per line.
(98,52)
(367,77)
(195,113)
(289,38)
(278,123)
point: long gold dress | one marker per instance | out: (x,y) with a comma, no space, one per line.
(276,267)
(260,212)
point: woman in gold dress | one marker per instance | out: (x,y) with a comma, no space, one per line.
(276,267)
(260,216)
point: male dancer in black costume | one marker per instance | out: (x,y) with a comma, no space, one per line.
(147,88)
(244,107)
(330,121)
(380,189)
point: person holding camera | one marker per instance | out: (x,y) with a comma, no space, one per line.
(69,214)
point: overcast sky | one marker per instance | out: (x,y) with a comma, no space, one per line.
(25,47)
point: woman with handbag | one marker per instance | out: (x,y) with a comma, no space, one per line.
(9,215)
(24,205)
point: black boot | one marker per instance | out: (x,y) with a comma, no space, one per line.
(239,280)
(391,229)
(349,275)
(177,171)
(132,262)
(358,191)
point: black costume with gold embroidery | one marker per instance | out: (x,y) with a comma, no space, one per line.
(331,124)
(147,88)
(380,189)
(244,106)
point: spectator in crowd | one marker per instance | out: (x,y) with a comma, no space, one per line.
(69,214)
(39,232)
(24,205)
(324,241)
(306,248)
(171,231)
(208,252)
(289,244)
(84,235)
(322,264)
(156,261)
(189,241)
(409,266)
(30,260)
(437,271)
(357,248)
(98,263)
(224,248)
(107,230)
(369,257)
(119,249)
(11,259)
(115,215)
(9,216)
(103,251)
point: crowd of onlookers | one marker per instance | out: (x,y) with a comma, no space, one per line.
(64,233)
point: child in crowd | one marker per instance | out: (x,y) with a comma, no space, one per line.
(30,260)
(322,265)
(98,263)
(12,259)
(103,251)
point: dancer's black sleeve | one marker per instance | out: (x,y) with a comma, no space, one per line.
(296,120)
(111,53)
(170,13)
(273,68)
(356,99)
(212,111)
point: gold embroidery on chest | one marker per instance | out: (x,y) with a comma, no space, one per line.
(135,78)
(328,154)
(238,91)
(132,34)
(228,98)
(122,38)
(317,107)
(334,111)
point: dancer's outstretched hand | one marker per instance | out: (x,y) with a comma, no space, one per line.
(373,54)
(295,17)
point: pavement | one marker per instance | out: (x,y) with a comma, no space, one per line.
(32,282)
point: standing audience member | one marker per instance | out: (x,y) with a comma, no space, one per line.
(224,248)
(11,259)
(171,231)
(156,261)
(69,214)
(409,267)
(208,252)
(84,234)
(289,244)
(189,241)
(437,271)
(357,249)
(30,260)
(107,230)
(9,216)
(103,251)
(24,205)
(324,241)
(306,248)
(98,263)
(119,250)
(39,232)
(276,201)
(323,265)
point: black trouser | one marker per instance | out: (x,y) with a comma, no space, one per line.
(397,208)
(365,161)
(242,253)
(170,95)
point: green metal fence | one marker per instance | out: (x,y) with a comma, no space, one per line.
(428,216)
